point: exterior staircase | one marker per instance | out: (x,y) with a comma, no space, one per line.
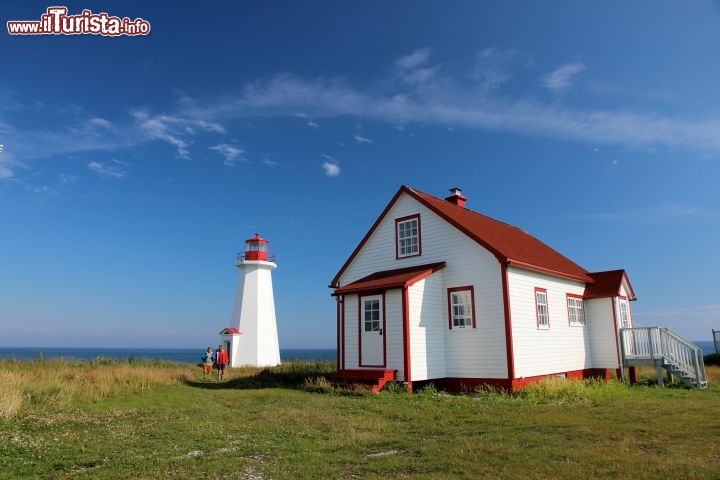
(376,378)
(666,351)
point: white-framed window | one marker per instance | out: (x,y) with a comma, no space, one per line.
(576,310)
(541,308)
(624,314)
(461,307)
(407,233)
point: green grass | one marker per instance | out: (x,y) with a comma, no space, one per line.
(160,420)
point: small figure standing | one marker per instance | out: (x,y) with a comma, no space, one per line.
(208,359)
(221,360)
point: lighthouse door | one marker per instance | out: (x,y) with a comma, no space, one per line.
(372,324)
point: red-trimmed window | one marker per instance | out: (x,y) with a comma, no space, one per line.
(541,308)
(576,310)
(461,307)
(407,236)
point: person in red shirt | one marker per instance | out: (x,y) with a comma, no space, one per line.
(221,361)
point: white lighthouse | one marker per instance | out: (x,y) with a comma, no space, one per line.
(252,337)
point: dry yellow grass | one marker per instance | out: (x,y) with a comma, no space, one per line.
(58,382)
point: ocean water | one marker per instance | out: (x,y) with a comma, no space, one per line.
(186,355)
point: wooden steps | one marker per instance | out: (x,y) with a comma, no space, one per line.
(376,378)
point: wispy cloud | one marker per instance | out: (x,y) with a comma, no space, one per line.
(709,312)
(310,123)
(415,59)
(664,213)
(232,154)
(417,91)
(331,169)
(68,179)
(107,171)
(360,139)
(494,67)
(560,78)
(7,165)
(172,129)
(413,69)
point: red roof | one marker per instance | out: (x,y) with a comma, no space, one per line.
(607,284)
(399,277)
(230,330)
(509,244)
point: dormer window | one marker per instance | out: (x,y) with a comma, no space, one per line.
(407,236)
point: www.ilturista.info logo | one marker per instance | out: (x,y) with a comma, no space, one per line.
(57,22)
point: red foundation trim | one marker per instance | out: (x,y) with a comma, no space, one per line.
(456,384)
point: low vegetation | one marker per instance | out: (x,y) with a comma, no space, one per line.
(712,360)
(114,419)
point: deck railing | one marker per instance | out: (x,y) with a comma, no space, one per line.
(241,257)
(661,346)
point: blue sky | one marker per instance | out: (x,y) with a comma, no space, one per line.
(135,167)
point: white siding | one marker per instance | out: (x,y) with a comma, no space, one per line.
(601,324)
(560,348)
(472,353)
(427,329)
(351,353)
(394,333)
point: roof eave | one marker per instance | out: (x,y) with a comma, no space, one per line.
(555,273)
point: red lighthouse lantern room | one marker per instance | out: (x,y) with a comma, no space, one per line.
(256,249)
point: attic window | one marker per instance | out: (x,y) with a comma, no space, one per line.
(407,235)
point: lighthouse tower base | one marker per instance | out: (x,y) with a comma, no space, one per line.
(256,341)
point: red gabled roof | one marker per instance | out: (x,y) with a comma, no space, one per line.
(387,279)
(607,284)
(509,244)
(230,330)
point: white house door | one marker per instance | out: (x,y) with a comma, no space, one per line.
(372,339)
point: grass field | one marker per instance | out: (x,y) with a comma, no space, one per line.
(110,419)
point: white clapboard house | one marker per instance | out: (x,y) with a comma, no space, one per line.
(437,292)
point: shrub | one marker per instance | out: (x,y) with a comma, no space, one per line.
(556,390)
(712,359)
(317,385)
(395,387)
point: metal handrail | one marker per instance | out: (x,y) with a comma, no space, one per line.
(270,258)
(657,343)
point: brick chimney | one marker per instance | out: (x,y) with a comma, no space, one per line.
(456,197)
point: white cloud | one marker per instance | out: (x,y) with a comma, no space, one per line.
(670,212)
(331,169)
(436,98)
(8,164)
(106,171)
(415,59)
(269,163)
(68,179)
(494,67)
(171,129)
(559,79)
(229,152)
(100,123)
(360,139)
(310,123)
